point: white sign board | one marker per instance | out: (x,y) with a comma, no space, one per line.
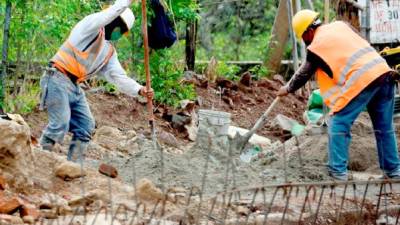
(384,20)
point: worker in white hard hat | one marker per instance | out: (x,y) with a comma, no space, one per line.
(88,51)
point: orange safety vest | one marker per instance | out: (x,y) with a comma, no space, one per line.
(83,64)
(354,64)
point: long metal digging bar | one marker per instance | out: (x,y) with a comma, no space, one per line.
(241,141)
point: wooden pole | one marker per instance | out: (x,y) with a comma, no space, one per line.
(279,37)
(191,38)
(294,41)
(147,63)
(4,59)
(326,11)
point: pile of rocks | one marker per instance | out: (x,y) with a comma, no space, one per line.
(15,209)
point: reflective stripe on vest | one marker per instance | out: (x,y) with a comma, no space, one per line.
(354,64)
(83,64)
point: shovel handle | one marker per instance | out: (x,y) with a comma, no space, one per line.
(147,62)
(261,121)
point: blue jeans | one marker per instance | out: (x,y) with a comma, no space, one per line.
(378,98)
(67,109)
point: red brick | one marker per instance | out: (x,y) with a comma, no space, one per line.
(2,183)
(9,206)
(108,170)
(29,210)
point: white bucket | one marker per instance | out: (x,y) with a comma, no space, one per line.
(215,121)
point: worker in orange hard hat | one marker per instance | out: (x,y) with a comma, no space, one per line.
(88,51)
(352,76)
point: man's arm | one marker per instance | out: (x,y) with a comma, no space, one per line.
(94,22)
(304,73)
(115,74)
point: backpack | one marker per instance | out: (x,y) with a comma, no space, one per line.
(161,33)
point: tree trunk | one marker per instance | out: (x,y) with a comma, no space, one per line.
(6,36)
(279,38)
(191,40)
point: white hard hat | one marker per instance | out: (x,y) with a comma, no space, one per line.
(128,17)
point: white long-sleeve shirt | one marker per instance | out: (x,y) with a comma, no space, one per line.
(88,29)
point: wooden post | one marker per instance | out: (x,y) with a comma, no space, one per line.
(294,41)
(191,39)
(4,59)
(326,11)
(279,37)
(302,45)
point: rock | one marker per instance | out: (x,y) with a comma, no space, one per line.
(16,154)
(179,121)
(88,199)
(51,201)
(131,134)
(3,183)
(225,83)
(268,84)
(108,137)
(191,131)
(187,105)
(243,211)
(49,213)
(228,101)
(245,79)
(147,191)
(8,219)
(28,219)
(9,206)
(69,171)
(108,170)
(168,139)
(30,211)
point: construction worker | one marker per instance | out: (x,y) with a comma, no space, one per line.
(87,51)
(352,76)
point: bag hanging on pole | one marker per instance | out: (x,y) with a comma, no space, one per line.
(161,32)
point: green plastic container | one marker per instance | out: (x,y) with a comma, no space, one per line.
(315,101)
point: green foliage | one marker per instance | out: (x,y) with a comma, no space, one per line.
(228,71)
(166,74)
(235,30)
(25,101)
(260,71)
(38,28)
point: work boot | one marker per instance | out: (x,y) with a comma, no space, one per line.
(47,143)
(395,175)
(76,150)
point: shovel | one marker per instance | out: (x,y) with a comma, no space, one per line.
(147,69)
(241,141)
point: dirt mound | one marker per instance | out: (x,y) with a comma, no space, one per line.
(314,153)
(247,105)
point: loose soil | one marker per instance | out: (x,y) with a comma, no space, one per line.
(184,165)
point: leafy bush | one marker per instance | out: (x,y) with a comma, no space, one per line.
(166,72)
(228,71)
(25,101)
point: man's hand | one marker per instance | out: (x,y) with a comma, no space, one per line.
(147,94)
(282,91)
